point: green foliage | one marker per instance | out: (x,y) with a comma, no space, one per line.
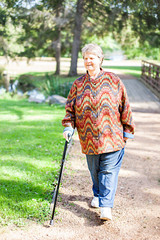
(30,154)
(9,29)
(140,33)
(2,68)
(30,28)
(107,43)
(133,48)
(142,52)
(30,81)
(26,82)
(47,83)
(57,85)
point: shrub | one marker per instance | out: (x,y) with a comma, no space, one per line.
(26,82)
(49,84)
(2,68)
(56,85)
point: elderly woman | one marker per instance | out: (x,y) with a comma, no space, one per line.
(98,106)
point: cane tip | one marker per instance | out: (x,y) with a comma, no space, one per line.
(52,222)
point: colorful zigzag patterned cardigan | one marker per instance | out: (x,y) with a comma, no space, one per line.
(100,110)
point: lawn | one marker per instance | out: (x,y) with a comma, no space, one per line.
(30,155)
(132,70)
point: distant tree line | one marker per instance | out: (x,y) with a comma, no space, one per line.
(60,27)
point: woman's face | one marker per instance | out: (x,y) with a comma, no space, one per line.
(92,62)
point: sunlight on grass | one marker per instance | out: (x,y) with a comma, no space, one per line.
(30,154)
(132,70)
(27,117)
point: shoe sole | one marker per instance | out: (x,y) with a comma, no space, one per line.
(105,219)
(94,206)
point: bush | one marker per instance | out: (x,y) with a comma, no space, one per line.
(49,84)
(26,82)
(2,68)
(56,85)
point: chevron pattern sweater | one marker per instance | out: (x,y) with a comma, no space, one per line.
(100,111)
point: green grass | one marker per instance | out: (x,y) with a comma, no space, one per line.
(60,78)
(31,149)
(132,70)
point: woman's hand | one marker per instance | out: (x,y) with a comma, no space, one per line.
(67,135)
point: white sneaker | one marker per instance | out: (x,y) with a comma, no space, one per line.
(95,202)
(106,213)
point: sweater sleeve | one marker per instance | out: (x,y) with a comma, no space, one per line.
(69,119)
(126,114)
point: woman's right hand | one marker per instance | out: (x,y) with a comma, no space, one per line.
(67,135)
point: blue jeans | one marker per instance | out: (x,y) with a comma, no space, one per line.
(104,169)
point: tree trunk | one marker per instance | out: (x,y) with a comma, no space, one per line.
(76,39)
(58,51)
(59,10)
(6,80)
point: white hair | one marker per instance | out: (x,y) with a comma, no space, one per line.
(94,49)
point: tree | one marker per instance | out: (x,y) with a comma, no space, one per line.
(117,17)
(46,26)
(89,9)
(77,36)
(42,25)
(58,7)
(140,28)
(6,24)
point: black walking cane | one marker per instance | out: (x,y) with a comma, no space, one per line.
(55,194)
